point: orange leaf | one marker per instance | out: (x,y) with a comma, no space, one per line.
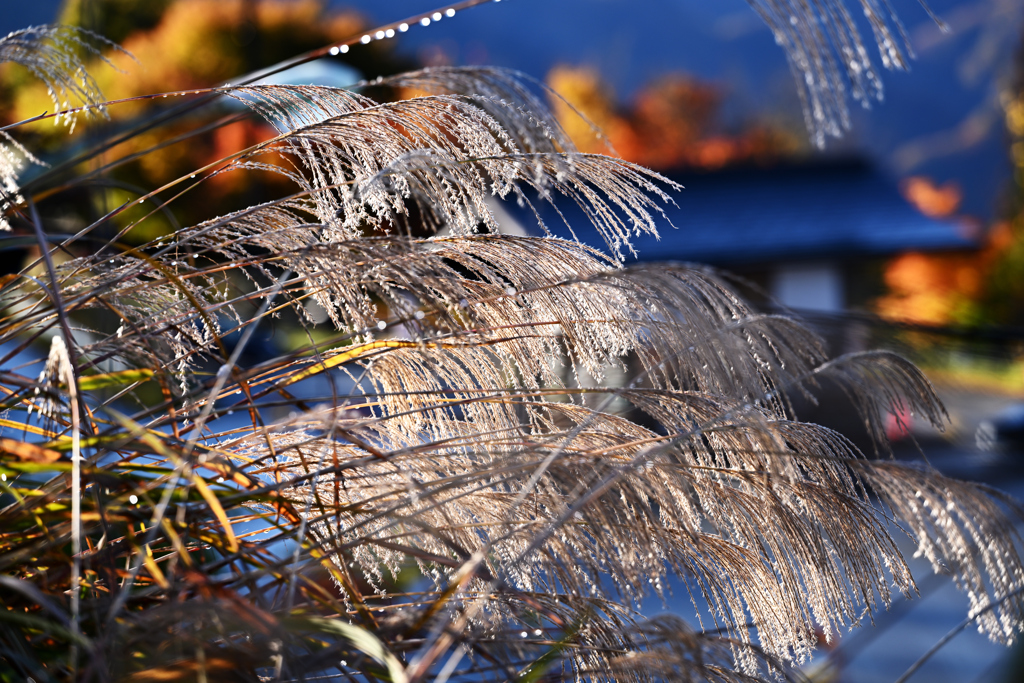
(28,452)
(184,670)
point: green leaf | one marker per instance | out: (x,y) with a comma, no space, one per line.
(45,626)
(360,638)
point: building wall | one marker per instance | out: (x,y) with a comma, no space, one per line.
(812,286)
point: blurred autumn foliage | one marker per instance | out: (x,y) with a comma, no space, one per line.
(981,288)
(930,199)
(932,289)
(674,122)
(178,46)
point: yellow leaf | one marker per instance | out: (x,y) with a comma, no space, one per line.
(20,426)
(215,506)
(93,382)
(154,569)
(345,356)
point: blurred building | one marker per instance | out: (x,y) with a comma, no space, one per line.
(811,236)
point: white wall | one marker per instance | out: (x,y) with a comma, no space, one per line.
(816,286)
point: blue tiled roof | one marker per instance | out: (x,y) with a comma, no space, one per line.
(736,217)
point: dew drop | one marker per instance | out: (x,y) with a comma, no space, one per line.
(390,33)
(133,499)
(344,49)
(365,39)
(523,634)
(450,12)
(436,16)
(425,21)
(335,50)
(379,35)
(403,27)
(3,477)
(419,315)
(381,324)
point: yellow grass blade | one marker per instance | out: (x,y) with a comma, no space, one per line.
(217,510)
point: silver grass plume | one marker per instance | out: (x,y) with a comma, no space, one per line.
(53,54)
(56,377)
(505,95)
(828,56)
(726,457)
(465,440)
(444,155)
(13,156)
